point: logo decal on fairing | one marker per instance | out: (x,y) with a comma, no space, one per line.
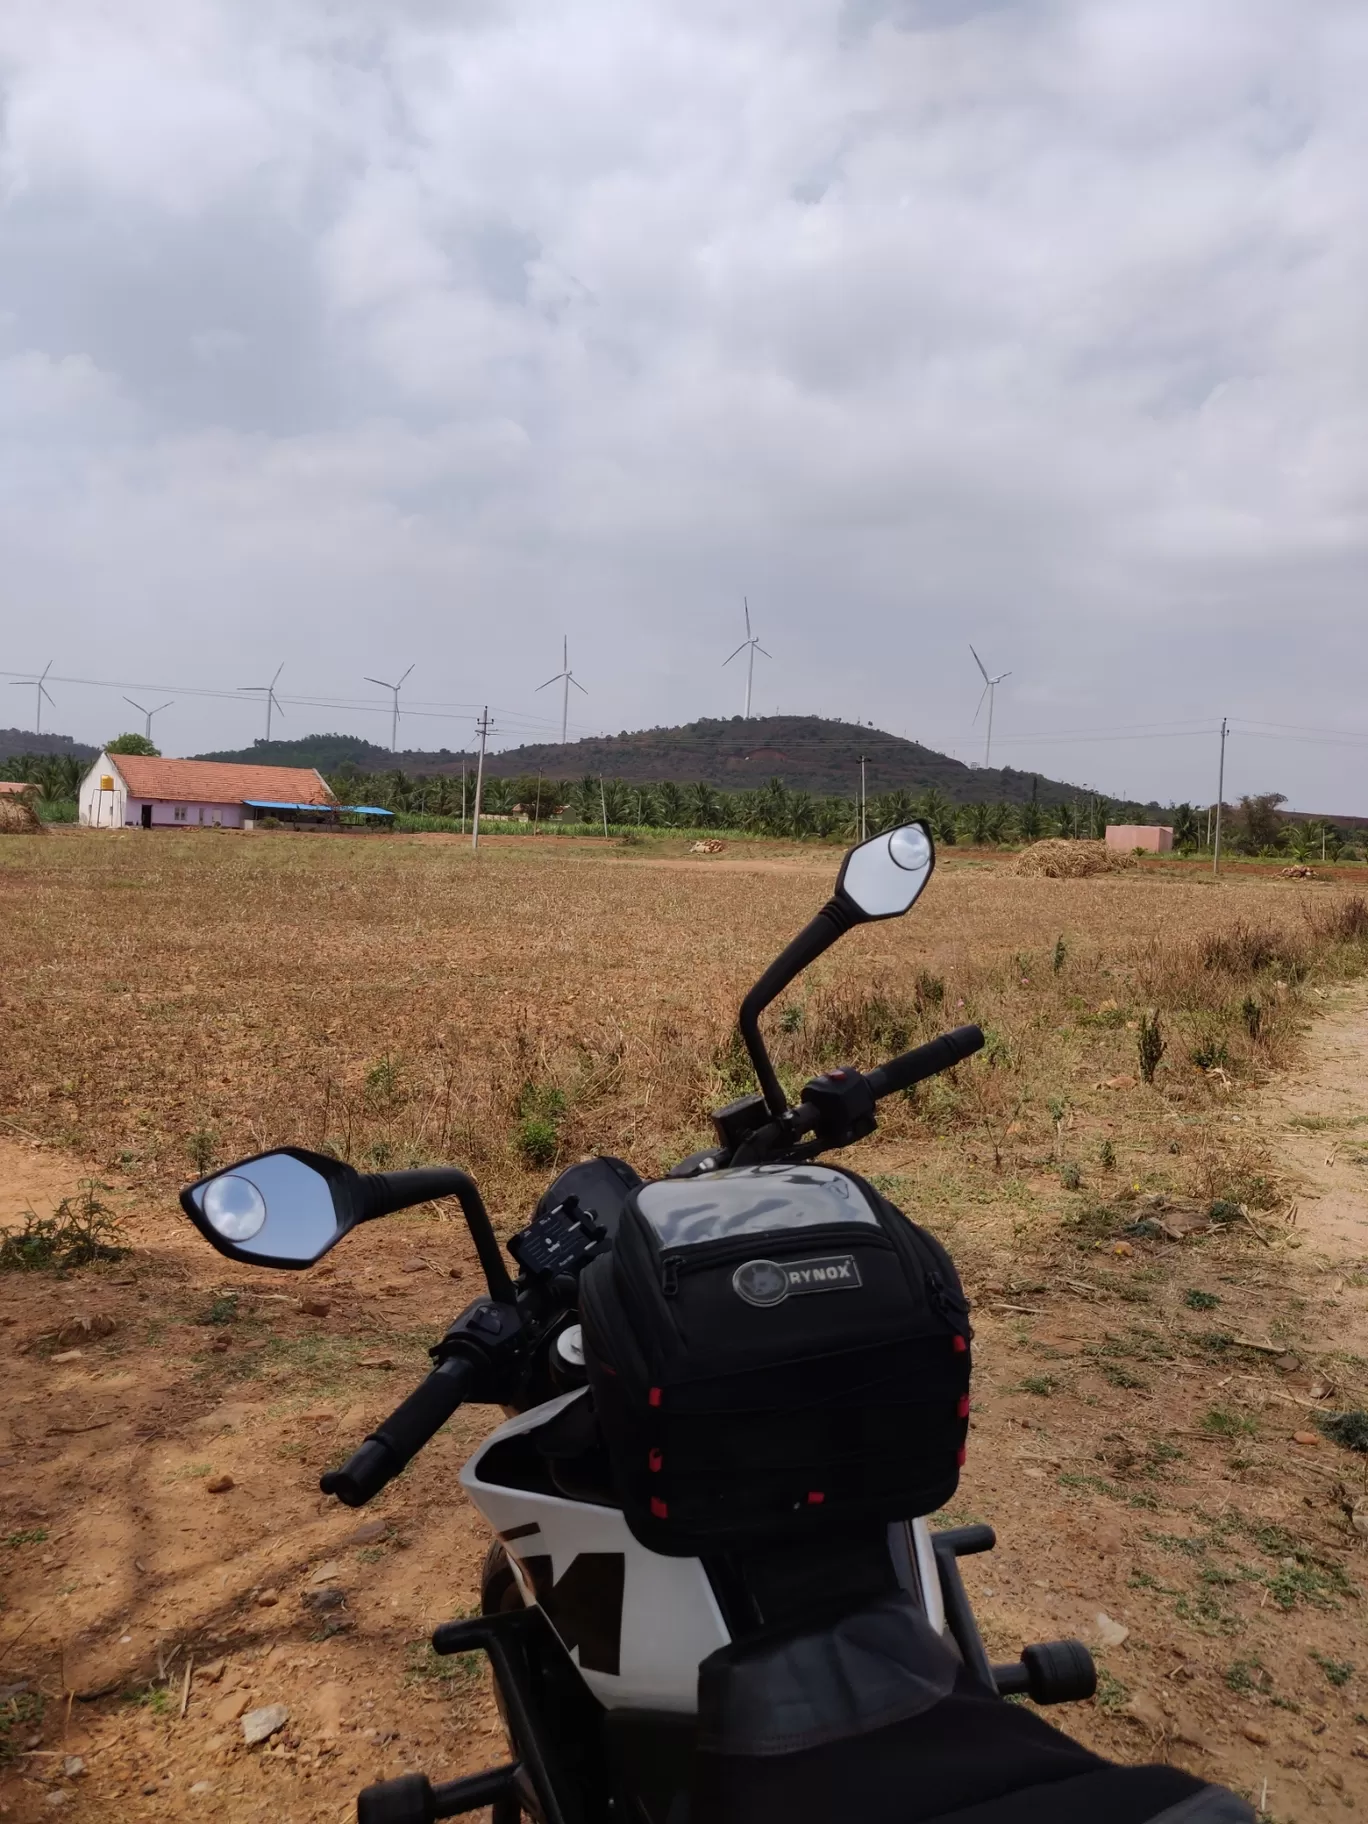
(584,1604)
(770,1282)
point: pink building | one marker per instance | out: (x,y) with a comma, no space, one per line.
(1126,837)
(134,790)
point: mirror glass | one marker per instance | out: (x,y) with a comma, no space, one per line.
(275,1208)
(884,875)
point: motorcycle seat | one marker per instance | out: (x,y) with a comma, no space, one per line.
(876,1719)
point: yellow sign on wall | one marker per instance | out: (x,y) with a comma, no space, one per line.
(106,782)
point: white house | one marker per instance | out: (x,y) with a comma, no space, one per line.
(123,791)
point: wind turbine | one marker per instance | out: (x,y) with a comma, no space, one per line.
(989,689)
(750,646)
(268,691)
(149,713)
(42,690)
(396,688)
(566,678)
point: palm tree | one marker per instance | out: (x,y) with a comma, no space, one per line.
(977,822)
(672,807)
(703,807)
(1186,834)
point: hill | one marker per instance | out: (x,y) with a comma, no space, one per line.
(17,741)
(809,753)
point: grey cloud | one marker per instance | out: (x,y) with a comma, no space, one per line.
(341,335)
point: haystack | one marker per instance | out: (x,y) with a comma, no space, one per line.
(18,818)
(1058,859)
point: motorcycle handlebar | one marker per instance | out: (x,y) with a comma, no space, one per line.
(924,1061)
(395,1442)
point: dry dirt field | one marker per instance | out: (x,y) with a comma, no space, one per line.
(1150,1382)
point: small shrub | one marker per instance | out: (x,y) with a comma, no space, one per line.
(30,1535)
(1060,955)
(1252,1015)
(1111,1693)
(1106,1156)
(1221,1422)
(383,1078)
(221,1309)
(791,1019)
(929,991)
(1222,1210)
(1150,1045)
(536,1140)
(1244,949)
(1210,1054)
(80,1230)
(200,1147)
(1246,1676)
(1070,1176)
(1200,1301)
(1042,1385)
(1337,1671)
(20,1713)
(1349,1429)
(1345,923)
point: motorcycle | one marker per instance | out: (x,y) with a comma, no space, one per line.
(596,1642)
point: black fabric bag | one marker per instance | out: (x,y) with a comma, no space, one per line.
(774,1352)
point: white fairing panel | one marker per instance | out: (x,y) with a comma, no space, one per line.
(669,1618)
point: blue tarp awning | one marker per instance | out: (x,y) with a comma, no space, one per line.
(365,810)
(270,804)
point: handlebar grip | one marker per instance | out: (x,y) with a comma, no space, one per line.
(923,1061)
(394,1444)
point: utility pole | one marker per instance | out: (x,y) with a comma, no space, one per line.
(864,824)
(1220,799)
(483,726)
(463,801)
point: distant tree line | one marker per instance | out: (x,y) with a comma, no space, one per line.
(770,810)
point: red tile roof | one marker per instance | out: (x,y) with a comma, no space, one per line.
(219,781)
(15,788)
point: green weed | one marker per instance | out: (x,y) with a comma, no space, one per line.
(80,1231)
(22,1710)
(32,1535)
(1337,1671)
(1349,1429)
(1042,1385)
(1200,1301)
(1247,1676)
(221,1309)
(1221,1422)
(1112,1695)
(200,1146)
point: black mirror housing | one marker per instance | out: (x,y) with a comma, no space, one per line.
(284,1208)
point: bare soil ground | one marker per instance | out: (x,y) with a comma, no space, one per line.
(1142,1378)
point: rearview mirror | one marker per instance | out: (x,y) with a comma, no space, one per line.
(281,1209)
(882,878)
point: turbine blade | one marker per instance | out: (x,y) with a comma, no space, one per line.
(556,680)
(575,681)
(741,648)
(1001,675)
(380,681)
(406,674)
(279,669)
(982,667)
(760,648)
(980,701)
(745,603)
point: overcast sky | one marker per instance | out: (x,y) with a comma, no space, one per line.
(378,332)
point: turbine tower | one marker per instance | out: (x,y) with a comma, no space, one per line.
(750,646)
(42,691)
(565,677)
(989,689)
(266,690)
(149,713)
(396,688)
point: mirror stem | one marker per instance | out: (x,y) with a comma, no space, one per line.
(385,1192)
(834,920)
